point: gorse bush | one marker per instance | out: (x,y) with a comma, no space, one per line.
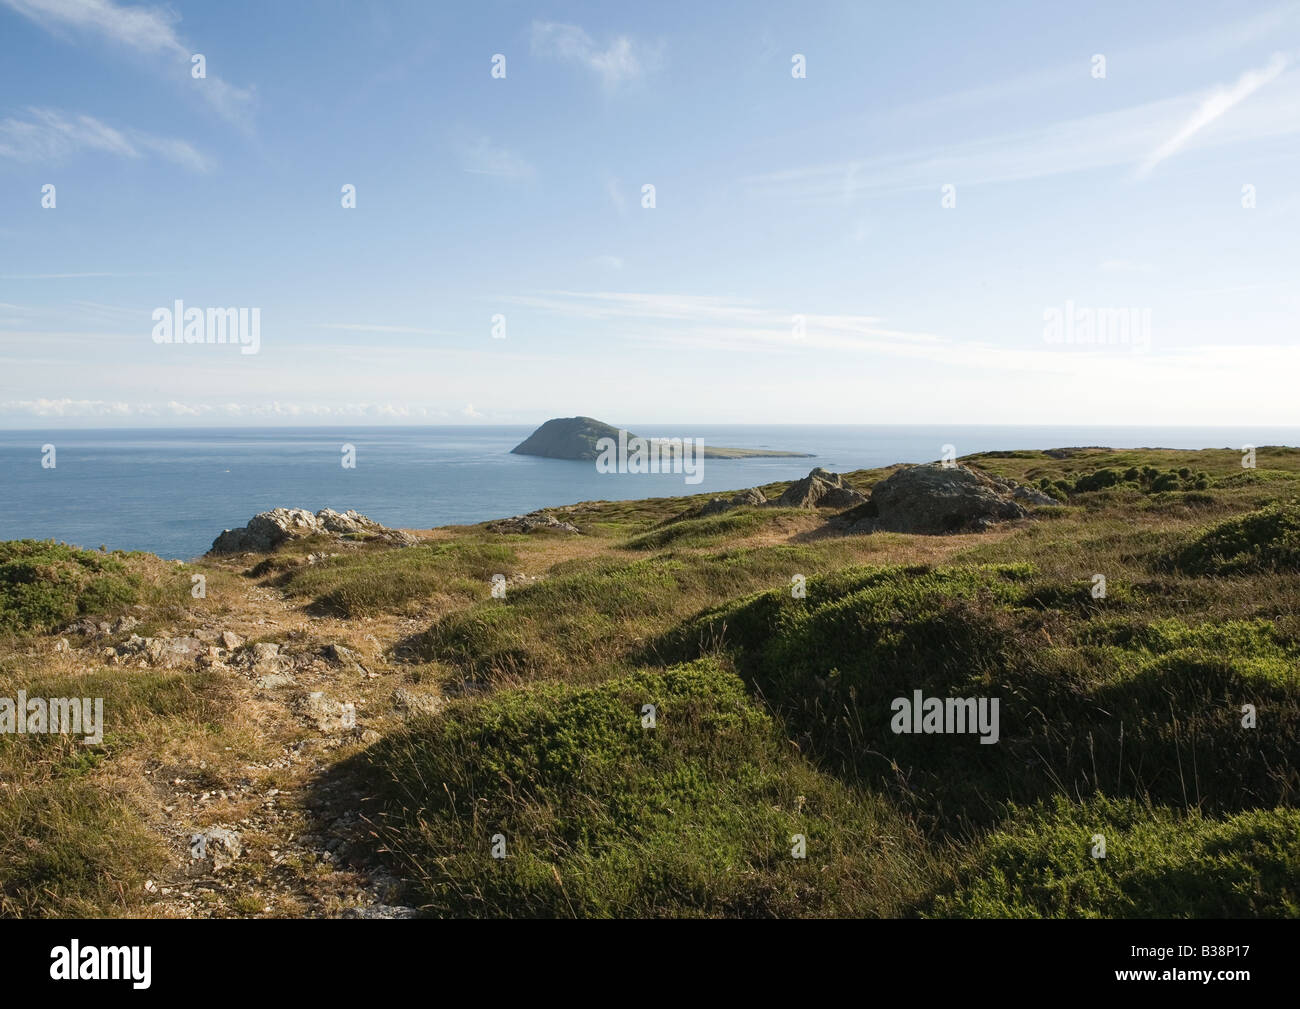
(1146,479)
(44,584)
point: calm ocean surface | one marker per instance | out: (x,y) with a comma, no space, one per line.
(172,492)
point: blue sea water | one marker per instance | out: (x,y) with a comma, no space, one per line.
(172,491)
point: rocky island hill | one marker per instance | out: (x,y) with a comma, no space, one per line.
(577,438)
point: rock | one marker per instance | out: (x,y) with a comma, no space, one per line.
(61,645)
(273,681)
(341,656)
(267,531)
(937,499)
(263,658)
(381,911)
(411,704)
(92,628)
(170,653)
(531,523)
(1032,495)
(230,640)
(222,846)
(717,505)
(820,489)
(326,715)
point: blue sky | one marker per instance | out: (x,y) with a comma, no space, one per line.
(799,264)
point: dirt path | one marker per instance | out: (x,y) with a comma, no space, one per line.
(255,818)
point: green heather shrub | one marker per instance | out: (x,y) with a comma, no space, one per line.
(1159,864)
(1082,706)
(1263,540)
(44,584)
(1148,479)
(601,816)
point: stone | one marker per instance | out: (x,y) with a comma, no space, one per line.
(230,640)
(341,656)
(268,530)
(820,489)
(169,653)
(717,505)
(412,704)
(222,846)
(325,714)
(381,911)
(936,499)
(531,522)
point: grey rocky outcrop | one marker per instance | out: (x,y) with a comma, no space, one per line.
(531,523)
(166,653)
(820,489)
(268,530)
(936,499)
(753,496)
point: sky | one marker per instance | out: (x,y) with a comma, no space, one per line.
(995,213)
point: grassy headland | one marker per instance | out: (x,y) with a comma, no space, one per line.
(652,721)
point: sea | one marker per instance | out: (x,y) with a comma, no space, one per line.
(171,492)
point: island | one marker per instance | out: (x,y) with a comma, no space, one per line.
(578,438)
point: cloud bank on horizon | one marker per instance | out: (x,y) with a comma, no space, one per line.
(757,215)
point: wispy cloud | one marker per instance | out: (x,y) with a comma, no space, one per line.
(482,157)
(367,327)
(49,135)
(1124,266)
(1213,107)
(719,323)
(1113,139)
(275,409)
(147,30)
(616,63)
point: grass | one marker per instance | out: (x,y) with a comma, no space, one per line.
(595,815)
(369,582)
(74,841)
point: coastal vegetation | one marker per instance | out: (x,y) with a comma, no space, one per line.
(672,712)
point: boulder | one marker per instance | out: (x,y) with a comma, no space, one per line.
(820,489)
(267,531)
(531,523)
(938,499)
(717,505)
